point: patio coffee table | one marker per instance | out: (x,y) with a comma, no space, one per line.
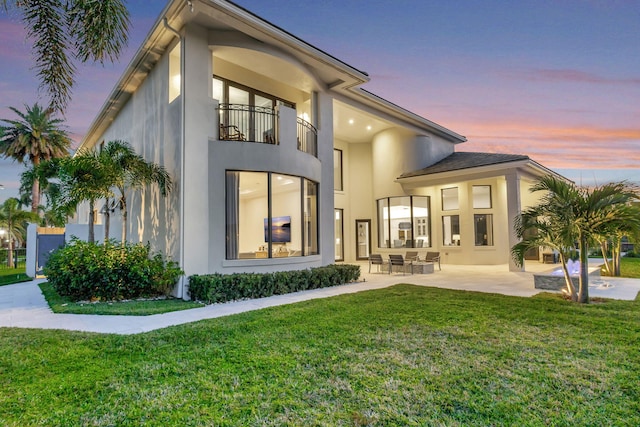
(420,267)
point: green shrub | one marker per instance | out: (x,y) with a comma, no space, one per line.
(212,288)
(85,271)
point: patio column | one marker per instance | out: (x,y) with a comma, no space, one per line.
(513,210)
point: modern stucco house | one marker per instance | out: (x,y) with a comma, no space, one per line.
(283,161)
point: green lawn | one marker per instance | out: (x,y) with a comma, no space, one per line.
(61,304)
(630,267)
(9,276)
(402,356)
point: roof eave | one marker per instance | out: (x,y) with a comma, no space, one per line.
(534,168)
(159,37)
(403,114)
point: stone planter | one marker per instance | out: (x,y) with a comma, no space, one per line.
(552,282)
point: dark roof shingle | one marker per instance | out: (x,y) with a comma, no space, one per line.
(466,160)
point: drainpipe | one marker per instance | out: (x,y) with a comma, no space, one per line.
(181,293)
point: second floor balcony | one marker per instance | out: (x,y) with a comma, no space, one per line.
(247,123)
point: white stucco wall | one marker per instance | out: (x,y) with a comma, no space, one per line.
(151,125)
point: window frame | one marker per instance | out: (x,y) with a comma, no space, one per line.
(457,201)
(341,158)
(451,233)
(489,229)
(473,197)
(226,83)
(306,222)
(385,203)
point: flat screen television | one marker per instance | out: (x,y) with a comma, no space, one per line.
(280,229)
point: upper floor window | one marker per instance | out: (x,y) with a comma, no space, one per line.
(229,92)
(175,85)
(481,197)
(246,114)
(450,199)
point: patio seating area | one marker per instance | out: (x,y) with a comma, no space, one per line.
(411,262)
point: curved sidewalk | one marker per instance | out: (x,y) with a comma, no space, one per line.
(23,306)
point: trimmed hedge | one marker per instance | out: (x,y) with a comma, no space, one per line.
(212,288)
(89,271)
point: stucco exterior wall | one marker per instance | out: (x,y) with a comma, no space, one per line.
(152,126)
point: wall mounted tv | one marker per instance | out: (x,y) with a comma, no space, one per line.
(280,229)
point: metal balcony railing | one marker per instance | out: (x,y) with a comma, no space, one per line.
(240,122)
(307,137)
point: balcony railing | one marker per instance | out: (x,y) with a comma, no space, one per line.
(307,137)
(240,122)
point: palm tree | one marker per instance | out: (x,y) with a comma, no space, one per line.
(65,30)
(84,178)
(54,213)
(576,214)
(34,138)
(625,222)
(131,172)
(13,220)
(548,221)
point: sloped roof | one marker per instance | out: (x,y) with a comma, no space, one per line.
(466,160)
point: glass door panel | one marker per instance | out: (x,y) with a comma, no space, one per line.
(363,238)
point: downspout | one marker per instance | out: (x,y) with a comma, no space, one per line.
(181,293)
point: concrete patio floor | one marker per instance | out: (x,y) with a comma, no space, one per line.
(23,306)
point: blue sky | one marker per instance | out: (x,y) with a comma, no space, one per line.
(556,80)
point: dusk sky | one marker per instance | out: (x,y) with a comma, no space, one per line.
(558,81)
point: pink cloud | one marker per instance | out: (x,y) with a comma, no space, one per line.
(566,76)
(559,147)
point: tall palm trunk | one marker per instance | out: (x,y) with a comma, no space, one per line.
(123,207)
(583,293)
(92,236)
(107,221)
(616,251)
(10,263)
(571,289)
(35,189)
(607,265)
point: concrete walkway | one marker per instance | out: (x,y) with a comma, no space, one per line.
(23,306)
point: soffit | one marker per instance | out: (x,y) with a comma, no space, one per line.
(355,125)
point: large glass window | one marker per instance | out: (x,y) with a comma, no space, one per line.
(337,170)
(383,223)
(421,223)
(482,197)
(310,218)
(450,199)
(403,222)
(339,234)
(483,224)
(451,230)
(270,215)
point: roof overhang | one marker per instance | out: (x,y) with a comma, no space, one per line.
(215,15)
(527,169)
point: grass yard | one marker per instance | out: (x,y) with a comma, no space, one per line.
(630,267)
(61,304)
(9,276)
(402,356)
